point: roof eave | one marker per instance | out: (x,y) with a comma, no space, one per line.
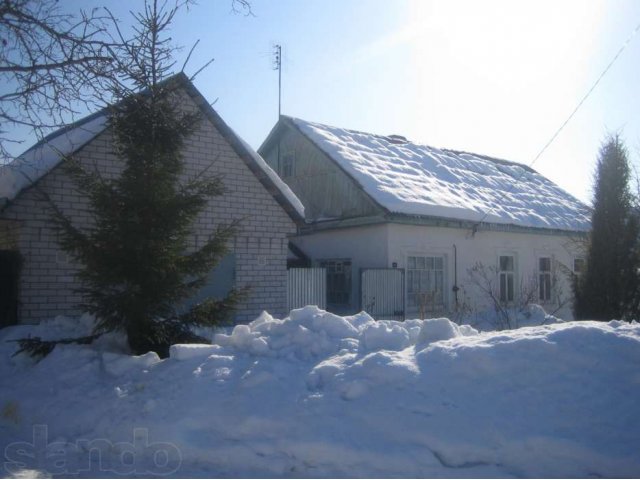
(471,225)
(431,221)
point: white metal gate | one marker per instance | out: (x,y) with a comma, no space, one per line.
(382,293)
(306,286)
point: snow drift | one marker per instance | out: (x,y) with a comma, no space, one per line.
(317,395)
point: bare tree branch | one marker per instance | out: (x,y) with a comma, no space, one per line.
(55,66)
(50,65)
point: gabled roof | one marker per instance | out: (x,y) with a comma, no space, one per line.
(47,154)
(408,178)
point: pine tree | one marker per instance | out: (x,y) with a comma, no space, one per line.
(137,262)
(608,288)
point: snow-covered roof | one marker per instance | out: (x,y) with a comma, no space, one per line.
(413,179)
(45,155)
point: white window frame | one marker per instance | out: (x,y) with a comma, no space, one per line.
(545,279)
(507,278)
(426,276)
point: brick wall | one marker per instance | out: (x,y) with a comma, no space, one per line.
(48,280)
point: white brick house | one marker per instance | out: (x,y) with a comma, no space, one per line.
(267,208)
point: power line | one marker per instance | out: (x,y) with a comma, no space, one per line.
(557,132)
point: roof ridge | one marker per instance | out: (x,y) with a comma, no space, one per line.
(417,143)
(340,128)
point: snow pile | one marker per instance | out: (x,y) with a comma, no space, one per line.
(319,395)
(415,179)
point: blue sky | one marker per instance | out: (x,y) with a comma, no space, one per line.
(491,77)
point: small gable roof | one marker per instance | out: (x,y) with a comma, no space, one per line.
(48,153)
(409,178)
(44,156)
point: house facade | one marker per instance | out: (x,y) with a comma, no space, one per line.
(464,231)
(44,286)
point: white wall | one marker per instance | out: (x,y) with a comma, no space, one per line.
(383,245)
(365,246)
(485,247)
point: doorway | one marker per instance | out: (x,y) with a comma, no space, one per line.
(10,263)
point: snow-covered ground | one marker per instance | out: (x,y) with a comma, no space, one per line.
(318,395)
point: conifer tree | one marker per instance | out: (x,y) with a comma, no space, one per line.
(609,286)
(137,262)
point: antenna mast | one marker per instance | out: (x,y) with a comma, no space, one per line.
(277,65)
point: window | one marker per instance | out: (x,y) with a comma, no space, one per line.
(286,169)
(506,277)
(425,282)
(578,265)
(338,282)
(544,279)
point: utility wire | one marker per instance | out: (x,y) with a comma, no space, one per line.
(555,135)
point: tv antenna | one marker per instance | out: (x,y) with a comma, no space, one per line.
(277,65)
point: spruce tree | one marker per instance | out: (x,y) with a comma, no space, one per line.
(608,287)
(137,261)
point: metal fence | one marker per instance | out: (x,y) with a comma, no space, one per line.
(306,286)
(382,293)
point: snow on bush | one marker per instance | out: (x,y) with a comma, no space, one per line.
(530,315)
(319,395)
